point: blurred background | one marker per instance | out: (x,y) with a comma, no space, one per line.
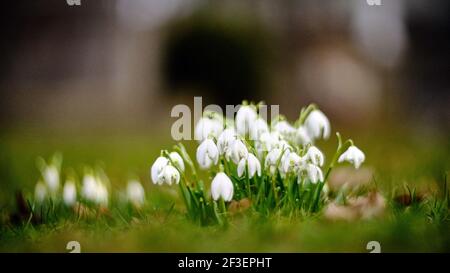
(115,68)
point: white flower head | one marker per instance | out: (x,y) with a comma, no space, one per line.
(222,187)
(253,165)
(272,160)
(313,172)
(177,160)
(238,151)
(135,193)
(208,127)
(353,155)
(292,163)
(51,178)
(102,196)
(317,125)
(315,156)
(302,137)
(169,175)
(245,117)
(285,129)
(225,140)
(257,128)
(267,142)
(40,192)
(89,188)
(207,154)
(158,167)
(69,193)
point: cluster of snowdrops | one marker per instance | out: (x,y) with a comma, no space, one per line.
(272,166)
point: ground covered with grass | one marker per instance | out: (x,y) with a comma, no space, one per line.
(409,172)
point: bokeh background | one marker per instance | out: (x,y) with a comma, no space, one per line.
(97,81)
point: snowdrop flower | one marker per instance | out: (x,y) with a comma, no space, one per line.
(258,128)
(177,160)
(51,178)
(40,192)
(69,193)
(313,172)
(89,189)
(301,136)
(238,151)
(222,187)
(208,127)
(292,163)
(266,142)
(101,197)
(158,167)
(225,140)
(253,166)
(315,156)
(317,125)
(135,193)
(245,117)
(284,128)
(169,175)
(271,162)
(353,155)
(207,154)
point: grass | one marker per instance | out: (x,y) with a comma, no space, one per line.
(162,226)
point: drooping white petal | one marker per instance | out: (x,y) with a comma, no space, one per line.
(225,140)
(257,128)
(177,160)
(157,168)
(89,188)
(69,193)
(51,178)
(317,125)
(40,192)
(222,187)
(315,156)
(208,127)
(135,193)
(238,151)
(271,162)
(353,155)
(169,175)
(302,137)
(314,173)
(207,154)
(253,165)
(245,117)
(285,129)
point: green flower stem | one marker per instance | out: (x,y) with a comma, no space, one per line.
(304,113)
(249,192)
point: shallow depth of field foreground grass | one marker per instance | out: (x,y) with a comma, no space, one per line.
(397,160)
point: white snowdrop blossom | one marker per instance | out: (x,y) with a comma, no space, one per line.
(285,129)
(51,178)
(158,167)
(267,142)
(253,165)
(225,140)
(208,127)
(258,128)
(272,160)
(313,172)
(302,137)
(222,187)
(207,154)
(353,155)
(317,125)
(89,188)
(135,193)
(102,195)
(177,160)
(40,192)
(169,175)
(245,117)
(292,163)
(315,156)
(69,193)
(238,151)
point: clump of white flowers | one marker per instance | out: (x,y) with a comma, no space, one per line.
(275,166)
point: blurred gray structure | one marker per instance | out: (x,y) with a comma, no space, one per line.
(99,63)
